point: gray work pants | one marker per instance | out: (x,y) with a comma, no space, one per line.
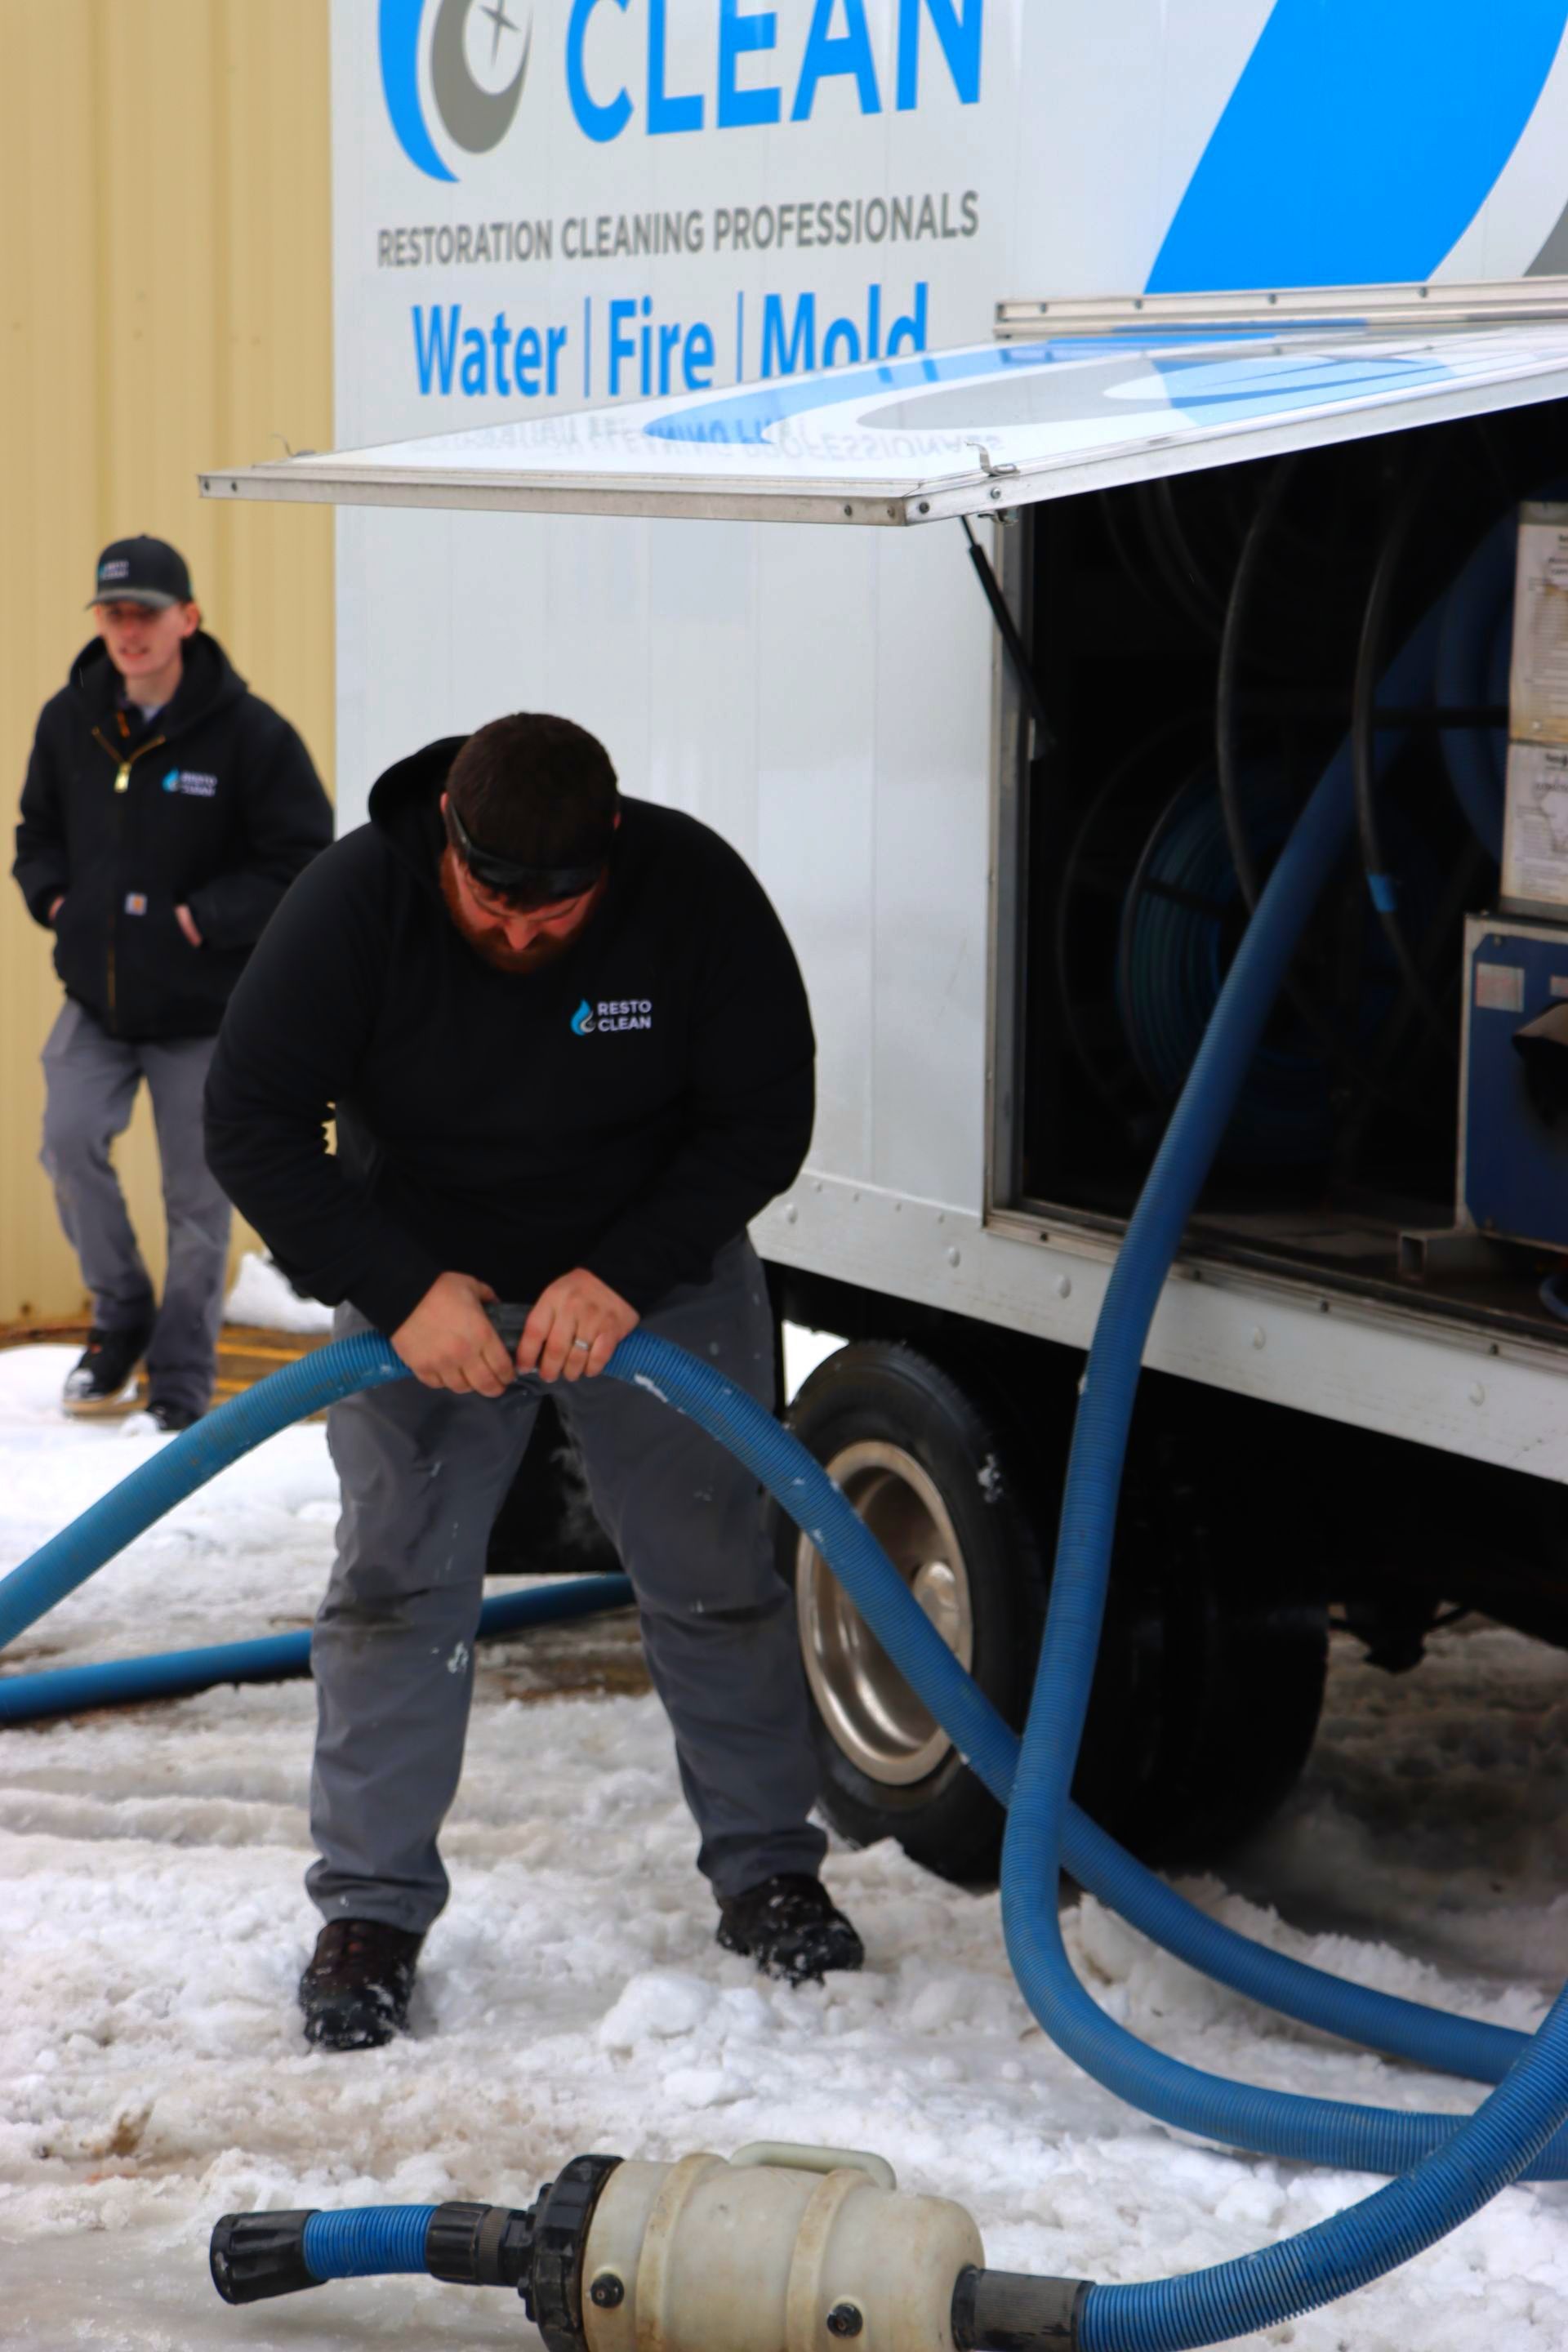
(91,1080)
(423,1473)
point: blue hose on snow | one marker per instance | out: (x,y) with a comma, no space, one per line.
(1402,2028)
(274,1657)
(1466,2161)
(1458,2166)
(804,1491)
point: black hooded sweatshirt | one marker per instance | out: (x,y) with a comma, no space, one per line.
(627,1108)
(214,805)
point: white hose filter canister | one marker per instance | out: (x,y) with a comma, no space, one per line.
(780,2249)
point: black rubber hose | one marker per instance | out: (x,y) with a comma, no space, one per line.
(1370,663)
(1327,1031)
(1175,560)
(1227,761)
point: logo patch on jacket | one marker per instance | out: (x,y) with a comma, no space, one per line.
(624,1013)
(190,780)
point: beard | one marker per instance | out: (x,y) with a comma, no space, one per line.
(489,942)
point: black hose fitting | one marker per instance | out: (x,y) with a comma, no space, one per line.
(480,2245)
(253,2257)
(553,2295)
(1006,2311)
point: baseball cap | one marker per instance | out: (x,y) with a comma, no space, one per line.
(142,571)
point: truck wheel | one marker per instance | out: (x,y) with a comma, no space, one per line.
(926,1469)
(1204,1702)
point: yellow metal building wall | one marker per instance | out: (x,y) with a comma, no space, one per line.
(164,304)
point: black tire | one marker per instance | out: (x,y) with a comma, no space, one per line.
(1210,1680)
(1222,1571)
(885,1394)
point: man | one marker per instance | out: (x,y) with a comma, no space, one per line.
(571,1058)
(165,811)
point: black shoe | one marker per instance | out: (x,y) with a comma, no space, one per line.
(172,1417)
(104,1378)
(789,1926)
(356,1989)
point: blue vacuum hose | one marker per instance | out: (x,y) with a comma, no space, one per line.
(367,2241)
(1463,2162)
(275,1657)
(178,1468)
(1411,2030)
(1236,2116)
(1455,2167)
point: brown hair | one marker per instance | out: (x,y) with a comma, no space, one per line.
(537,789)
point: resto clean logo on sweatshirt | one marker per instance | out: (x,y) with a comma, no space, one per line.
(623,1013)
(191,781)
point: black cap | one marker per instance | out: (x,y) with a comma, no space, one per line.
(142,571)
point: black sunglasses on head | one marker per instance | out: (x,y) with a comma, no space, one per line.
(540,885)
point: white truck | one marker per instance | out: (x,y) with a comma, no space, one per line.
(1014,834)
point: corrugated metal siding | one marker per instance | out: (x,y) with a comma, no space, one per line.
(164,304)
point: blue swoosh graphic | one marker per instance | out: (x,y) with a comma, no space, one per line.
(399,32)
(1359,143)
(1221,389)
(748,417)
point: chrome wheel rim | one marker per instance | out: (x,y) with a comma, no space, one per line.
(870,1710)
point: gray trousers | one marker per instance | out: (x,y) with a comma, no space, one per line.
(91,1080)
(423,1473)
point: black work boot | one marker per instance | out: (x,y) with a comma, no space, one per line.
(170,1418)
(356,1989)
(104,1378)
(789,1926)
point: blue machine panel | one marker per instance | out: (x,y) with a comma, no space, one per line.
(1513,1177)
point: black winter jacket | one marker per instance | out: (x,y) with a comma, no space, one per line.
(214,805)
(627,1109)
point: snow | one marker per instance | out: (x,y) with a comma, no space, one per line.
(153,1924)
(263,1297)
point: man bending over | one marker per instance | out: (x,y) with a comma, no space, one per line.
(570,1057)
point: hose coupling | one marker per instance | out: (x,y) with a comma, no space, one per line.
(1007,2310)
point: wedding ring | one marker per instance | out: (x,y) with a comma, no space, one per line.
(582,1343)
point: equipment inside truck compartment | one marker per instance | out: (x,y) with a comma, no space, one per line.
(1204,644)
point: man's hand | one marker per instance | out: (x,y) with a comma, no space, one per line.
(187,923)
(55,906)
(576,1326)
(448,1341)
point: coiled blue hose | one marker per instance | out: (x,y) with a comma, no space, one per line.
(1267,2288)
(1182,913)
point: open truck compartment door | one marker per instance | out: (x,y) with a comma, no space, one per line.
(1071,397)
(1133,443)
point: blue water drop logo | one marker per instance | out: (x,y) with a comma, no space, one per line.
(172,780)
(582,1020)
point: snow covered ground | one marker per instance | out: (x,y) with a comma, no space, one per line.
(152,1926)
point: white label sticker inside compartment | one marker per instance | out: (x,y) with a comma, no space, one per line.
(1499,987)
